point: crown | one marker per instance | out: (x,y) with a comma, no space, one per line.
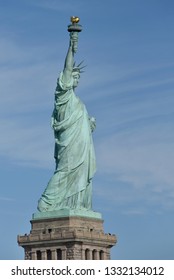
(78,68)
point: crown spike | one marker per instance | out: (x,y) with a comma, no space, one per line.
(80,63)
(78,68)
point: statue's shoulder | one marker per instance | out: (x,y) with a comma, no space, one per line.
(63,83)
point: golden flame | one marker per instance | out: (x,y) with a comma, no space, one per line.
(75,19)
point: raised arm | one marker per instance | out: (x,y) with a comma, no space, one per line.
(69,60)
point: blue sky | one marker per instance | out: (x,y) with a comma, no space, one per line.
(128,86)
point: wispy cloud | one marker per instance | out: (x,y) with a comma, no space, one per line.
(112,81)
(24,89)
(7,199)
(26,145)
(141,160)
(133,212)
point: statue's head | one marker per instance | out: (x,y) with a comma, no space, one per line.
(76,77)
(77,70)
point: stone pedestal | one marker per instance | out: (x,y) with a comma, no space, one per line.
(67,238)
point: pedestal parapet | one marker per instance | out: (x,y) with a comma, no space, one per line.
(67,238)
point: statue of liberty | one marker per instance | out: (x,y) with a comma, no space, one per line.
(71,184)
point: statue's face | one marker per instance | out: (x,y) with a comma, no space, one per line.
(76,78)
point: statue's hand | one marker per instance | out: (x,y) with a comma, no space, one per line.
(74,41)
(92,123)
(54,124)
(74,36)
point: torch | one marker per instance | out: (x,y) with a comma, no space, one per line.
(74,28)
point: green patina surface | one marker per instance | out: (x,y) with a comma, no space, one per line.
(69,191)
(66,213)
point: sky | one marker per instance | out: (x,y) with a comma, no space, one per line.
(128,86)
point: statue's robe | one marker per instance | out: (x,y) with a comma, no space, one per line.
(71,185)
